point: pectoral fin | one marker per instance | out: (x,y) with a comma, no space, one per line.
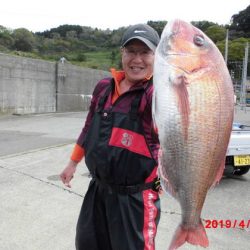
(154,112)
(180,87)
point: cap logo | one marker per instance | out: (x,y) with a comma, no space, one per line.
(139,31)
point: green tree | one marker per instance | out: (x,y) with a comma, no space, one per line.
(6,39)
(81,57)
(241,21)
(55,35)
(116,37)
(203,25)
(112,57)
(157,25)
(71,34)
(23,40)
(236,48)
(216,33)
(64,29)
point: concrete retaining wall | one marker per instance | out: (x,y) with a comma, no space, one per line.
(75,85)
(38,86)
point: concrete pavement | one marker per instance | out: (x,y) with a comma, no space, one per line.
(38,213)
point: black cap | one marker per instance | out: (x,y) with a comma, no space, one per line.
(142,32)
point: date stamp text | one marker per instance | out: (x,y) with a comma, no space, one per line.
(227,224)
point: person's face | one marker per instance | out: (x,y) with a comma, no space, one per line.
(137,61)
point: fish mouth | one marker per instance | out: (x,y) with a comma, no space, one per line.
(172,30)
(175,26)
(180,54)
(166,51)
(195,72)
(177,67)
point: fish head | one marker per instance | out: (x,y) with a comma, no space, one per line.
(188,67)
(187,49)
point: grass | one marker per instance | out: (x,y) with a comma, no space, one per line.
(100,60)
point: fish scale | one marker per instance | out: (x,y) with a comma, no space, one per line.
(193,112)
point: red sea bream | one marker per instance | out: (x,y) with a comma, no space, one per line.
(193,103)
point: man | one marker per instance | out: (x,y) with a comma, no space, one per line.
(121,209)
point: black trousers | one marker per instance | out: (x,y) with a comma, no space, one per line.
(111,221)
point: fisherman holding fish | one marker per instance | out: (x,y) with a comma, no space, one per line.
(121,208)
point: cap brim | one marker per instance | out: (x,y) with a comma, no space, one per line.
(144,40)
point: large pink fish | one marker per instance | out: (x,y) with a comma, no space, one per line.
(193,104)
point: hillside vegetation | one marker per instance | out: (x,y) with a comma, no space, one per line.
(99,49)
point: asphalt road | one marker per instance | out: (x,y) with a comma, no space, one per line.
(37,212)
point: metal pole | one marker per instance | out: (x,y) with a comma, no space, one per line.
(244,79)
(226,47)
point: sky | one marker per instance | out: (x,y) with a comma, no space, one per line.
(38,16)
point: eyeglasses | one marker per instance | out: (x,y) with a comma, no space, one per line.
(144,53)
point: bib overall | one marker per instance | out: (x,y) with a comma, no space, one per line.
(121,209)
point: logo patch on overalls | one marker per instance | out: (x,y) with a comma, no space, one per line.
(127,139)
(130,140)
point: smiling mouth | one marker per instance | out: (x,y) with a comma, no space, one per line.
(136,69)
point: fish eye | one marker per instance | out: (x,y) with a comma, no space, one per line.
(199,40)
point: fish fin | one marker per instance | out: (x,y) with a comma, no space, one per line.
(154,112)
(165,184)
(167,187)
(194,236)
(219,173)
(180,87)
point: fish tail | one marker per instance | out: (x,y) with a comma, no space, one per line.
(194,236)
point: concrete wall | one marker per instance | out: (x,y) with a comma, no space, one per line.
(26,85)
(38,86)
(75,85)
